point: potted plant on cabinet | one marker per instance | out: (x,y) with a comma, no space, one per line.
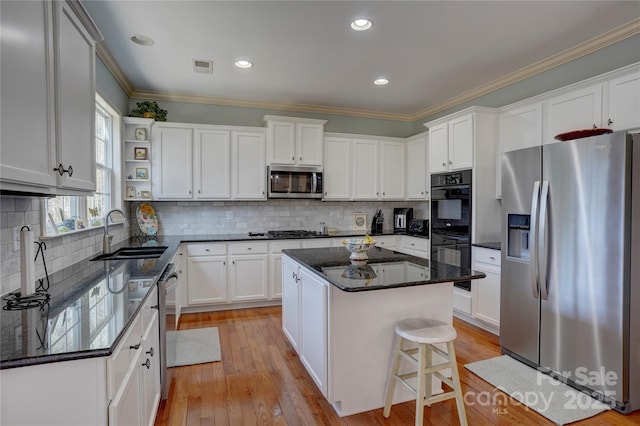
(149,109)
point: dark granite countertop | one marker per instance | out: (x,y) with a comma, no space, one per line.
(265,237)
(92,303)
(490,245)
(391,269)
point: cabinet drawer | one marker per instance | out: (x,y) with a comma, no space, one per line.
(413,243)
(207,249)
(484,255)
(389,241)
(278,246)
(120,361)
(248,248)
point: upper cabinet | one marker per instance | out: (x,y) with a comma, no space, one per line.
(293,140)
(418,179)
(624,102)
(337,168)
(364,178)
(248,171)
(48,98)
(172,161)
(579,109)
(451,144)
(212,164)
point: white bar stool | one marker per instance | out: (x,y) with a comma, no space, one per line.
(426,333)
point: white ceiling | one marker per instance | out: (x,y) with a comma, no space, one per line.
(433,52)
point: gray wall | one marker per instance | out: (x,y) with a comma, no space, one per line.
(109,88)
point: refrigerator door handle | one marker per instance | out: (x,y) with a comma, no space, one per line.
(542,241)
(533,248)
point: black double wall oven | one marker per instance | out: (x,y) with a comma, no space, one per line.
(451,220)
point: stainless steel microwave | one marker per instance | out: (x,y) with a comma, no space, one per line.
(294,182)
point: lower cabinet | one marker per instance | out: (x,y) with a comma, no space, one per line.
(207,274)
(248,271)
(133,371)
(415,246)
(275,265)
(486,291)
(291,301)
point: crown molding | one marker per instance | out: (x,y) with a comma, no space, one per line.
(113,67)
(176,97)
(623,32)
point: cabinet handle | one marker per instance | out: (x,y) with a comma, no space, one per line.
(135,347)
(233,262)
(421,192)
(293,158)
(207,250)
(610,122)
(492,258)
(155,307)
(450,162)
(224,263)
(198,191)
(444,164)
(248,248)
(150,351)
(147,364)
(60,169)
(594,126)
(293,275)
(189,192)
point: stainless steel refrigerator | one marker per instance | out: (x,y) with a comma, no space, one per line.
(570,302)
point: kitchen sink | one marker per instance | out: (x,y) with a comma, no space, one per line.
(126,253)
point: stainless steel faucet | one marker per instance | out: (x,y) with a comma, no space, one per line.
(106,239)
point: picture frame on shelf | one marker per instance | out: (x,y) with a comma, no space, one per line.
(145,194)
(140,134)
(131,192)
(139,153)
(142,173)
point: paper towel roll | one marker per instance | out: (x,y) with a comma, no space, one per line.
(27,263)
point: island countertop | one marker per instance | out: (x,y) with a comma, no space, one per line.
(385,269)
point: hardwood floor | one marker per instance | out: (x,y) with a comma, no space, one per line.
(261,381)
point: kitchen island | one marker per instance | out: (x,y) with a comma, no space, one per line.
(340,318)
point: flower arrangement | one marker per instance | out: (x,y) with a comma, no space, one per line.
(149,109)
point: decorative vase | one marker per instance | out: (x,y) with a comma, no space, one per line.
(148,114)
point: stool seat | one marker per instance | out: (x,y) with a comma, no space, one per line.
(425,331)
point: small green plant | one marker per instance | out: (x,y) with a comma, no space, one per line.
(149,109)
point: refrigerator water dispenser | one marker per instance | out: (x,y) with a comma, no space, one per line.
(518,236)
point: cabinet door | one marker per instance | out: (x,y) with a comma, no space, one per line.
(438,148)
(416,159)
(282,143)
(75,99)
(309,138)
(124,408)
(249,171)
(392,168)
(365,170)
(27,141)
(486,291)
(275,266)
(624,102)
(337,169)
(212,164)
(172,147)
(207,280)
(581,109)
(249,275)
(461,143)
(150,373)
(313,328)
(291,301)
(517,129)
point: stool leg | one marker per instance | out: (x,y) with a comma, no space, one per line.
(422,360)
(391,386)
(456,382)
(427,379)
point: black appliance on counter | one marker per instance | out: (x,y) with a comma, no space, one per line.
(377,223)
(401,218)
(451,220)
(419,227)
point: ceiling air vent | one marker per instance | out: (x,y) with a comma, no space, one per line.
(203,66)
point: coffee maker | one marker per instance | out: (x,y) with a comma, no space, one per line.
(401,219)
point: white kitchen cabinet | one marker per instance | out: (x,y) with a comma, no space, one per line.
(392,174)
(337,168)
(418,180)
(316,242)
(575,110)
(624,102)
(207,273)
(294,140)
(172,145)
(248,170)
(313,327)
(275,265)
(486,291)
(137,134)
(212,164)
(291,301)
(365,166)
(451,144)
(48,98)
(249,271)
(150,372)
(415,246)
(518,128)
(389,242)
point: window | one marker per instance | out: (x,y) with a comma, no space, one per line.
(65,214)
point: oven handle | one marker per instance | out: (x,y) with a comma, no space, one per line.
(172,287)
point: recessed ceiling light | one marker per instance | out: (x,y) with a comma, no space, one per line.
(381,81)
(244,64)
(361,24)
(142,40)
